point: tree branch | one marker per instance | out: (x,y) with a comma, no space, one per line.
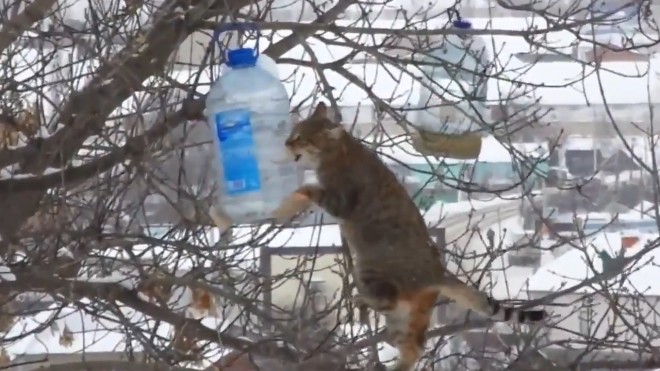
(15,27)
(135,147)
(278,49)
(87,110)
(112,292)
(324,24)
(114,365)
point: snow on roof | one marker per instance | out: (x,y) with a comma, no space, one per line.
(329,52)
(503,47)
(574,83)
(393,83)
(90,333)
(508,281)
(104,332)
(388,82)
(322,235)
(632,216)
(384,81)
(493,42)
(638,213)
(441,210)
(169,253)
(564,83)
(572,267)
(647,208)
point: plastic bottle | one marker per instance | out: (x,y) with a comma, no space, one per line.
(444,128)
(267,63)
(264,62)
(248,109)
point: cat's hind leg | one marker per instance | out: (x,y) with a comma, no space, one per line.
(407,324)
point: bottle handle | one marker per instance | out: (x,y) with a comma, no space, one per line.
(235,26)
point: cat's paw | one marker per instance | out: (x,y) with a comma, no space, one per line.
(290,207)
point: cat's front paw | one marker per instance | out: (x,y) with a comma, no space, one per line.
(290,207)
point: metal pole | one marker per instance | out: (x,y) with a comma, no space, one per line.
(439,235)
(265,268)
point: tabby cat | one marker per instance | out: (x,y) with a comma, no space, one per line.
(398,271)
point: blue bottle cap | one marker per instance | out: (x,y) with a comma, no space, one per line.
(463,25)
(242,57)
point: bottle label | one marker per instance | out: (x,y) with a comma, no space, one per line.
(239,160)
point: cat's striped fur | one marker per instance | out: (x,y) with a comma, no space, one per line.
(397,267)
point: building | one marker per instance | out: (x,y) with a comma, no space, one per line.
(595,323)
(601,316)
(491,257)
(501,168)
(566,92)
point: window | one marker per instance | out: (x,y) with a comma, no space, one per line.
(526,257)
(581,163)
(586,316)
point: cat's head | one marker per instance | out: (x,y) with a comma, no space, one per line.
(314,136)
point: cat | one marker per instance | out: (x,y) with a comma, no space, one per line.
(397,267)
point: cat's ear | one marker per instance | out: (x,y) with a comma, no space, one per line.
(335,132)
(321,111)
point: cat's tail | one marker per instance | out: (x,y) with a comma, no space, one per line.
(469,297)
